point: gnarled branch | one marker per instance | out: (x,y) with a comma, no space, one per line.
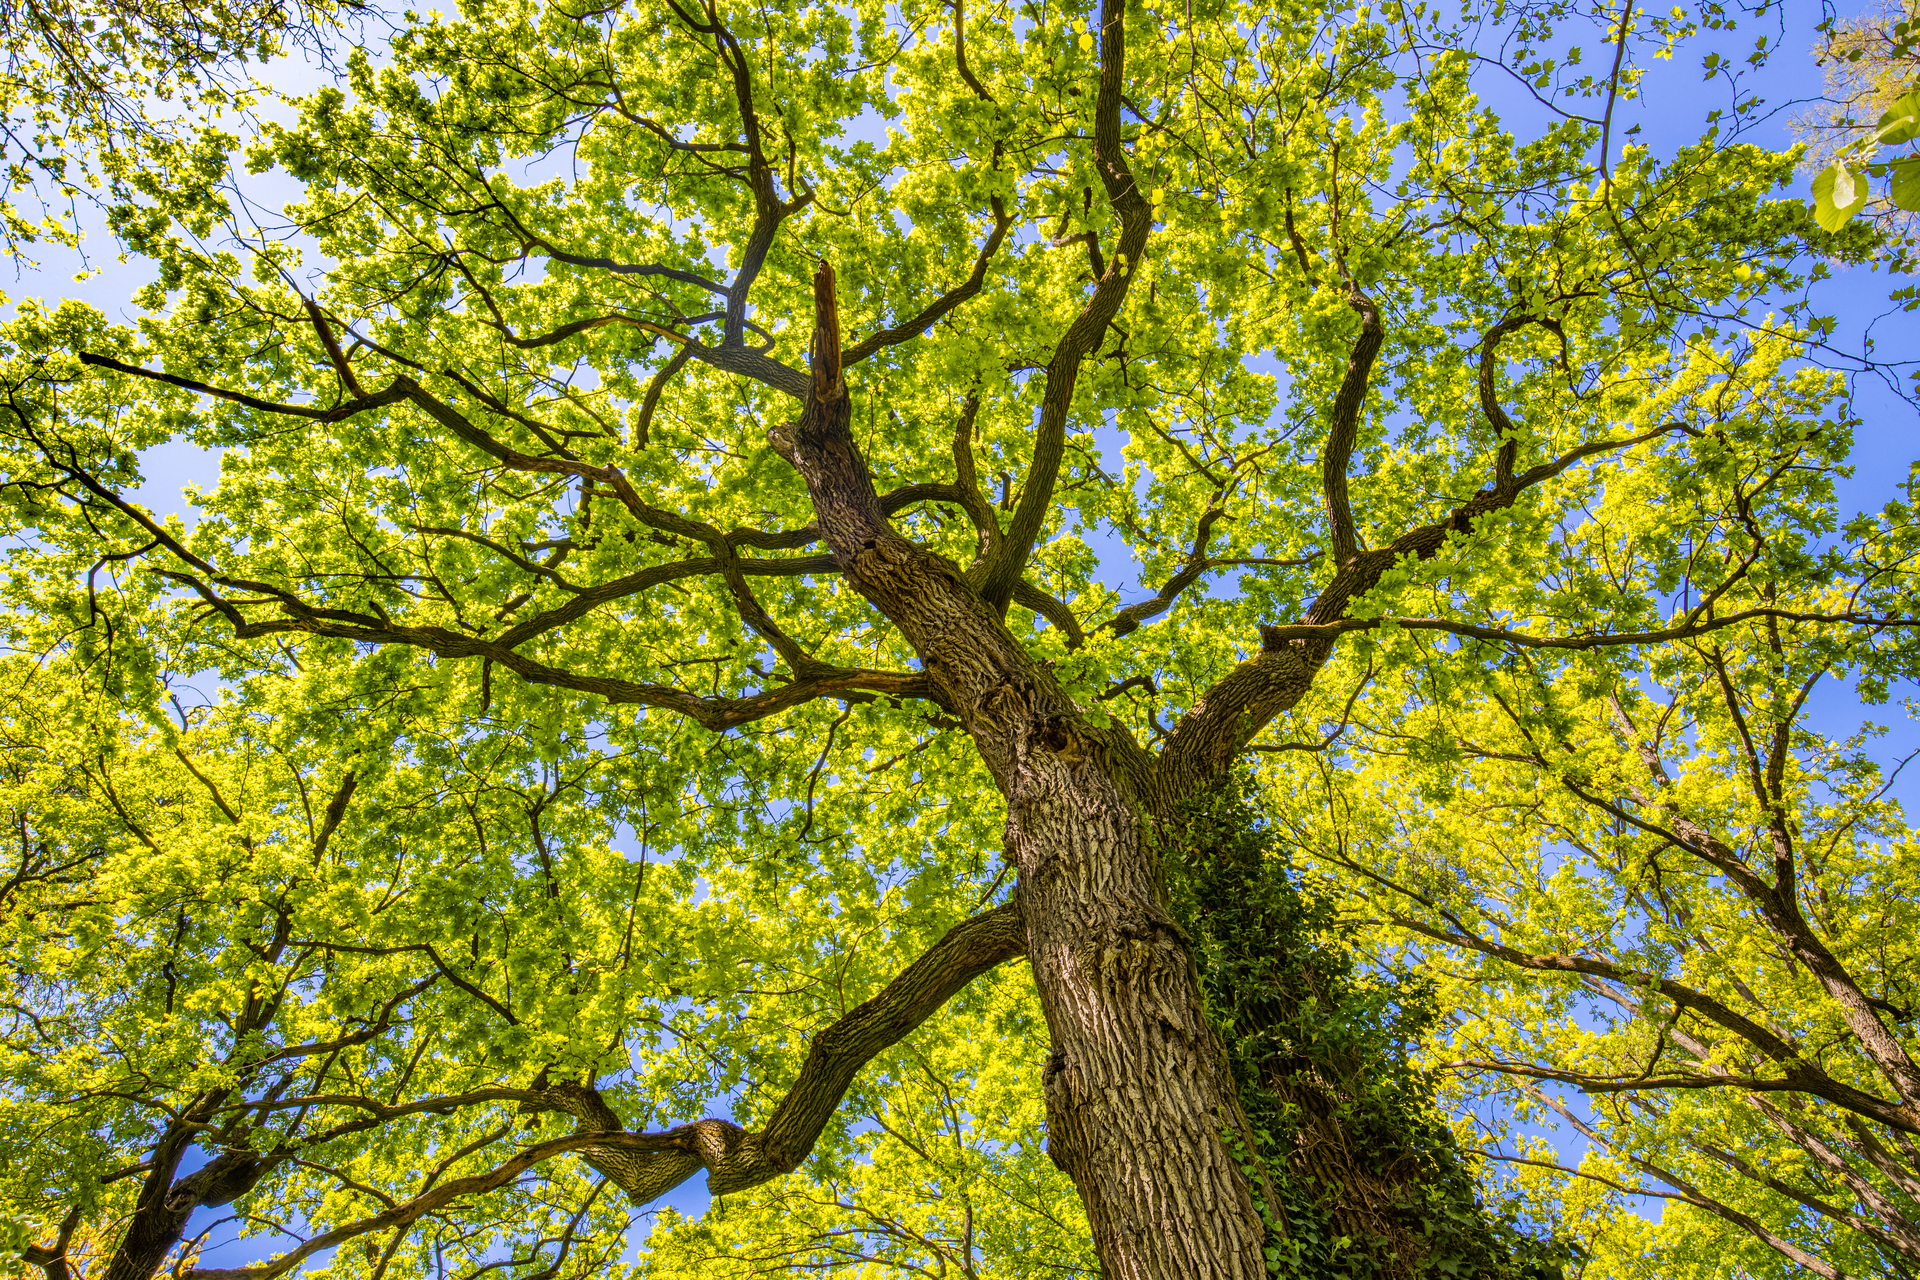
(1083,335)
(647,1165)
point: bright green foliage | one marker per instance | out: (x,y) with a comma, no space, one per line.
(243,898)
(546,609)
(947,1171)
(1872,58)
(1840,192)
(104,101)
(1665,888)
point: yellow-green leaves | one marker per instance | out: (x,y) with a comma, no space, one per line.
(1841,190)
(562,256)
(1905,187)
(1901,121)
(1838,194)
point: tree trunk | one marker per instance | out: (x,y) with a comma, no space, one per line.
(1141,1102)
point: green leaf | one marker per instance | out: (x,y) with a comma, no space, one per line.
(1902,120)
(1837,196)
(1906,182)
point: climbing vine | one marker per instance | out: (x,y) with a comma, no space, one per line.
(1367,1182)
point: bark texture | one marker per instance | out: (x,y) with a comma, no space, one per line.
(1345,1127)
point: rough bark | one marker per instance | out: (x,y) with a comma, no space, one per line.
(160,1217)
(1140,1101)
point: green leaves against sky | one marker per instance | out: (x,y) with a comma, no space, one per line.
(472,736)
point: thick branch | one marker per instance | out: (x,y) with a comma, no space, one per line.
(558,254)
(406,1213)
(815,679)
(1344,429)
(1490,402)
(1580,640)
(1197,563)
(392,395)
(1084,334)
(716,713)
(1052,608)
(836,1055)
(1130,618)
(1588,1082)
(651,401)
(749,363)
(1778,903)
(650,1164)
(53,1260)
(1691,1193)
(334,354)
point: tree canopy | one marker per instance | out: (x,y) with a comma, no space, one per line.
(666,707)
(102,98)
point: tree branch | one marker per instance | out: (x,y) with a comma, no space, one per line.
(1052,608)
(53,1260)
(908,329)
(1084,334)
(1197,563)
(748,363)
(1490,403)
(647,1165)
(816,678)
(1777,904)
(1244,701)
(1344,429)
(651,401)
(1798,1075)
(1579,640)
(715,713)
(394,394)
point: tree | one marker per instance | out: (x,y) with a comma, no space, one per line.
(529,455)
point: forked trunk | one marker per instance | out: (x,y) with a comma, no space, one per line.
(1144,1105)
(1141,1103)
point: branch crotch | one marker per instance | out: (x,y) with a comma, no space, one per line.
(1139,1095)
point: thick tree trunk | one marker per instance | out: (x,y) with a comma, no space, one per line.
(1141,1103)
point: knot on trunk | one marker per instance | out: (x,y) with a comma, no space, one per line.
(878,554)
(1056,735)
(1005,704)
(781,438)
